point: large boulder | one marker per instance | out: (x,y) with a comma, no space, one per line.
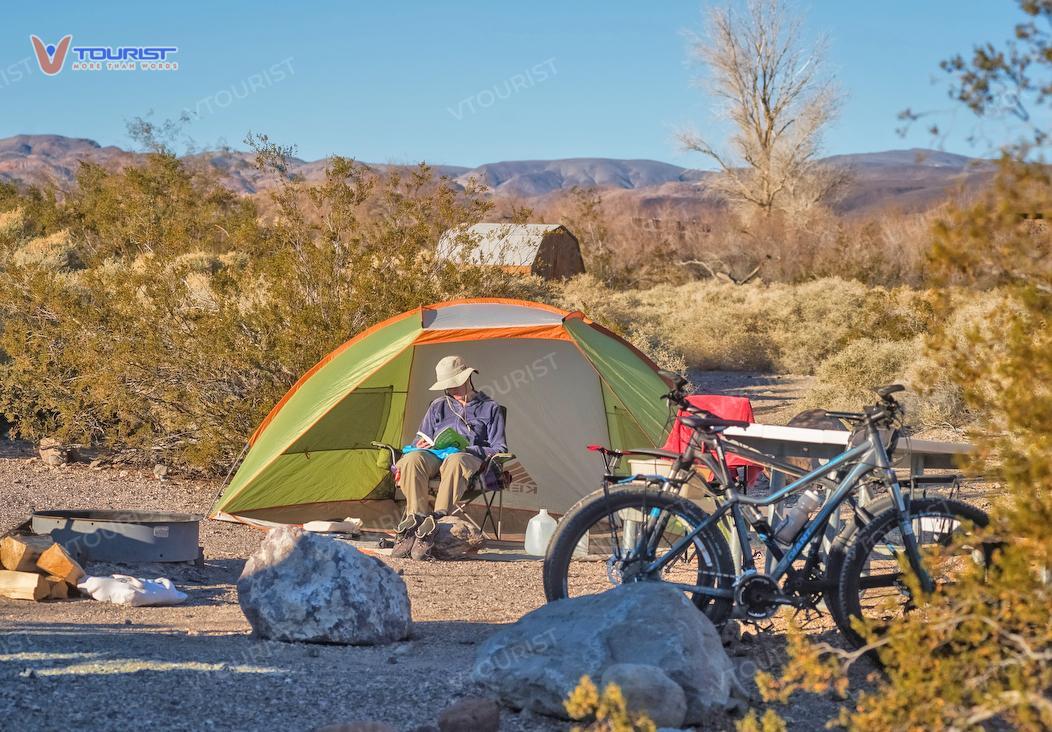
(304,587)
(536,662)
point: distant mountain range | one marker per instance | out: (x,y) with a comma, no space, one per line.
(910,180)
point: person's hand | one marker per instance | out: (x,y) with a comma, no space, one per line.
(397,474)
(421,442)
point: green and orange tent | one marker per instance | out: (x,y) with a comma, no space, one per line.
(564,380)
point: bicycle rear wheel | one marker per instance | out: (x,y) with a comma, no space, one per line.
(594,547)
(872,585)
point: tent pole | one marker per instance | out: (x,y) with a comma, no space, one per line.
(230,473)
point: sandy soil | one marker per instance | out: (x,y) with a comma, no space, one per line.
(774,397)
(196,666)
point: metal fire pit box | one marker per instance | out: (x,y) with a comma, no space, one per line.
(123,536)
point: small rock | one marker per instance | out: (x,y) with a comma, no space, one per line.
(160,470)
(128,621)
(122,474)
(731,633)
(456,538)
(648,690)
(28,673)
(95,464)
(471,714)
(53,453)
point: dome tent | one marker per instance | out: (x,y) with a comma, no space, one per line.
(565,381)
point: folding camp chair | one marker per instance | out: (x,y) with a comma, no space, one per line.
(487,483)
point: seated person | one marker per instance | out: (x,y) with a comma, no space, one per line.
(470,413)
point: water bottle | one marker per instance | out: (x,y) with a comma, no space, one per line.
(790,526)
(581,550)
(539,532)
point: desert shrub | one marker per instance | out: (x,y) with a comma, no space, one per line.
(191,312)
(54,251)
(845,380)
(604,712)
(11,222)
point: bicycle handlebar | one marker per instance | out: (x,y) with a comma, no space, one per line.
(885,411)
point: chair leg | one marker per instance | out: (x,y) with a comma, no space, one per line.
(500,511)
(488,499)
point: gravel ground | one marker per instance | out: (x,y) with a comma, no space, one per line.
(196,667)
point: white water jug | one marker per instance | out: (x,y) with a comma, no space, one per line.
(539,532)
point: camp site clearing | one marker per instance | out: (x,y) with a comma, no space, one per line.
(80,662)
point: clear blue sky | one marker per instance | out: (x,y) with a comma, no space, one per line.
(423,80)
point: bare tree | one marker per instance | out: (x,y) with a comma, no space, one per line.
(776,94)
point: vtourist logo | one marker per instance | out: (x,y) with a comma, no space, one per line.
(52,57)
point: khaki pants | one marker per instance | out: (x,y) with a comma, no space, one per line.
(420,466)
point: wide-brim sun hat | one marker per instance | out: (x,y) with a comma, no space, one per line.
(451,372)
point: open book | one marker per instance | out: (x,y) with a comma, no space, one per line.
(447,438)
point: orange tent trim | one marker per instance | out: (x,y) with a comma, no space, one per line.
(543,332)
(497,301)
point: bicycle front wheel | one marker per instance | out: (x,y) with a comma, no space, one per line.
(873,586)
(607,540)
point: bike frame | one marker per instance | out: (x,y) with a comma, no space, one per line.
(871,455)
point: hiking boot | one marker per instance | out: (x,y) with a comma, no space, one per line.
(425,539)
(406,536)
(411,521)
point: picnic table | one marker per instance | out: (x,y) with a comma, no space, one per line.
(782,442)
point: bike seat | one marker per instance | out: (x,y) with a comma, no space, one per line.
(710,423)
(885,391)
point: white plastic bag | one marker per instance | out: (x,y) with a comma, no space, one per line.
(120,589)
(352,526)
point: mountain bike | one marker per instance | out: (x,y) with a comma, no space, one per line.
(640,529)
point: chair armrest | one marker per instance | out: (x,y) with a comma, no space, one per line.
(497,458)
(396,454)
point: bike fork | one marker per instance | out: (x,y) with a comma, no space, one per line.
(909,538)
